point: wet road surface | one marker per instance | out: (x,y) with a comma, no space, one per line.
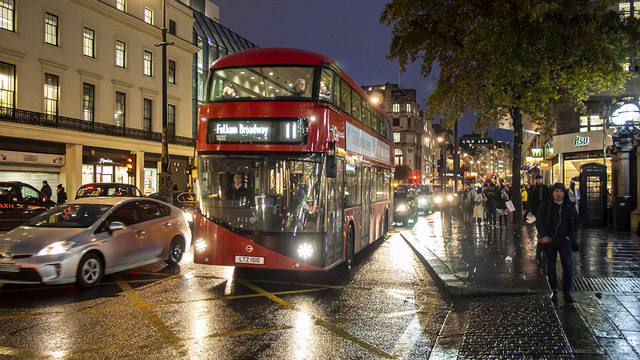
(387,306)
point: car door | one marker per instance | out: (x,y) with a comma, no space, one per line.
(122,248)
(157,222)
(33,202)
(10,207)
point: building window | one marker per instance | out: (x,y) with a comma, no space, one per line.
(147,63)
(7,14)
(51,29)
(399,157)
(171,72)
(409,123)
(172,27)
(408,107)
(120,53)
(590,123)
(146,116)
(51,92)
(396,108)
(88,96)
(7,85)
(121,5)
(88,43)
(171,120)
(396,137)
(396,121)
(121,107)
(148,16)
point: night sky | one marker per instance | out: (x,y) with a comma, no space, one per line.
(348,31)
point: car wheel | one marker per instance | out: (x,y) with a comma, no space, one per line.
(349,246)
(90,271)
(176,250)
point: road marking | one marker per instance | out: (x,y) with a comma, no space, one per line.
(324,323)
(20,352)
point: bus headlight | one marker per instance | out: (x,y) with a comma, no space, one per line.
(449,197)
(438,199)
(401,208)
(201,245)
(305,250)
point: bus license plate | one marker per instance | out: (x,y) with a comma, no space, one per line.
(10,267)
(258,260)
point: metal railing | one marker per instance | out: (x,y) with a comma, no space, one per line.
(61,122)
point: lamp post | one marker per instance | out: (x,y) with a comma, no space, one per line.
(442,160)
(164,177)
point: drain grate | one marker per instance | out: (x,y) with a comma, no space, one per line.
(606,284)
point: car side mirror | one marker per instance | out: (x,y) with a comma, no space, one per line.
(116,225)
(332,166)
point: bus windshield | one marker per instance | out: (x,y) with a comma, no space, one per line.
(260,83)
(261,193)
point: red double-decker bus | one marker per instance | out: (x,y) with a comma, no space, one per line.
(294,163)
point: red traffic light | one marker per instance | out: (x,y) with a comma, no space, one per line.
(415,177)
(129,160)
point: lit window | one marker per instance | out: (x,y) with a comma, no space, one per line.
(51,29)
(88,96)
(147,63)
(88,44)
(171,72)
(408,107)
(171,120)
(7,14)
(51,92)
(148,16)
(399,156)
(121,5)
(146,116)
(121,106)
(396,108)
(7,85)
(120,53)
(396,137)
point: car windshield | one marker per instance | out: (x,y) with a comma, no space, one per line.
(118,190)
(70,216)
(266,193)
(260,83)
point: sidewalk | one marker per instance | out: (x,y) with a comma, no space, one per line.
(484,260)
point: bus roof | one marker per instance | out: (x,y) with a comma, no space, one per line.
(287,56)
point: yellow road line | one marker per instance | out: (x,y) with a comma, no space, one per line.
(20,352)
(324,323)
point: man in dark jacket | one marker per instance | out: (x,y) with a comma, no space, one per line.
(46,189)
(538,194)
(556,222)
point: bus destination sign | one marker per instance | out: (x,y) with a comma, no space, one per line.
(257,131)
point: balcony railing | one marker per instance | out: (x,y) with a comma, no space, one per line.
(40,119)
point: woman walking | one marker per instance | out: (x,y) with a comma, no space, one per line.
(467,205)
(478,208)
(503,197)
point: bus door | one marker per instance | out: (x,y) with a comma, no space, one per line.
(366,205)
(334,223)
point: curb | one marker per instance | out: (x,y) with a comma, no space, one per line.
(452,283)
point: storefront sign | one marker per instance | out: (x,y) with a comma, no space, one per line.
(545,165)
(581,140)
(257,131)
(17,157)
(536,152)
(105,161)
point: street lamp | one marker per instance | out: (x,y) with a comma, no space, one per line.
(164,177)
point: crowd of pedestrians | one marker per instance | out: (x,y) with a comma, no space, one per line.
(553,211)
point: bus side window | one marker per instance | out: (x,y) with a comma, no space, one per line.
(326,82)
(345,94)
(355,105)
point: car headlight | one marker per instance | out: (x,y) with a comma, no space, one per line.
(449,197)
(422,201)
(401,208)
(188,216)
(438,199)
(305,249)
(58,247)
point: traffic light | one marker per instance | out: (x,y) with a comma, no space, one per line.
(441,165)
(131,168)
(414,178)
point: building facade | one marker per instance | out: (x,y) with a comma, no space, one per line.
(485,159)
(80,90)
(411,130)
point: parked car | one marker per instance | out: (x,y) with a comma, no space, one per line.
(183,200)
(80,241)
(405,208)
(108,189)
(424,199)
(19,202)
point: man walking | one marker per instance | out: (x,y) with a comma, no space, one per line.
(556,222)
(539,193)
(46,189)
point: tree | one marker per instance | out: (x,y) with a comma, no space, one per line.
(402,172)
(505,58)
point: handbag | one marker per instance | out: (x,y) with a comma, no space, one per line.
(510,206)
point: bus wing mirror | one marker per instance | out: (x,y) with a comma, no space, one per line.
(332,166)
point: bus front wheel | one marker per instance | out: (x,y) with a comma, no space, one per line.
(349,246)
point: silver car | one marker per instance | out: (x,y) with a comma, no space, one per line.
(86,238)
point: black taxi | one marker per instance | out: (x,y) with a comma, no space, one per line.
(20,202)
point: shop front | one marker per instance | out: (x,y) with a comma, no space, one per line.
(577,149)
(106,165)
(31,168)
